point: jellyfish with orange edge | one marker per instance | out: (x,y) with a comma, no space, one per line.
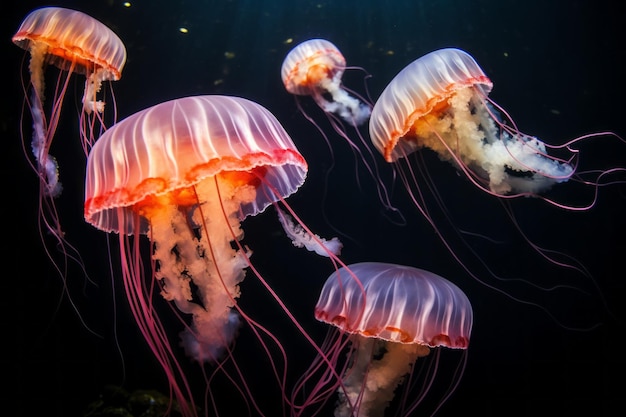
(185,173)
(73,43)
(385,317)
(440,102)
(315,68)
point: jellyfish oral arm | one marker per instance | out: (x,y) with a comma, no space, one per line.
(47,164)
(369,385)
(93,84)
(35,67)
(343,104)
(173,250)
(518,154)
(301,238)
(205,258)
(470,135)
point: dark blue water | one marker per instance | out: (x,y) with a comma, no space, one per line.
(557,69)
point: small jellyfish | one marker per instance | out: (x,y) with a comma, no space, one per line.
(61,42)
(315,68)
(75,43)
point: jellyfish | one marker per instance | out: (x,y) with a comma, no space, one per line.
(315,68)
(186,173)
(440,102)
(387,316)
(73,42)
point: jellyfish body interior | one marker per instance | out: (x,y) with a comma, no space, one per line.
(392,315)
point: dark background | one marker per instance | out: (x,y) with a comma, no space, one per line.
(557,67)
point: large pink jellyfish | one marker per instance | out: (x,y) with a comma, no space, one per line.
(387,317)
(440,102)
(315,68)
(186,173)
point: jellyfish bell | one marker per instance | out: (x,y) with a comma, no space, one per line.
(440,102)
(186,173)
(387,317)
(315,68)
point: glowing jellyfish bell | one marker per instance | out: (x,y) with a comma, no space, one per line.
(186,173)
(391,315)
